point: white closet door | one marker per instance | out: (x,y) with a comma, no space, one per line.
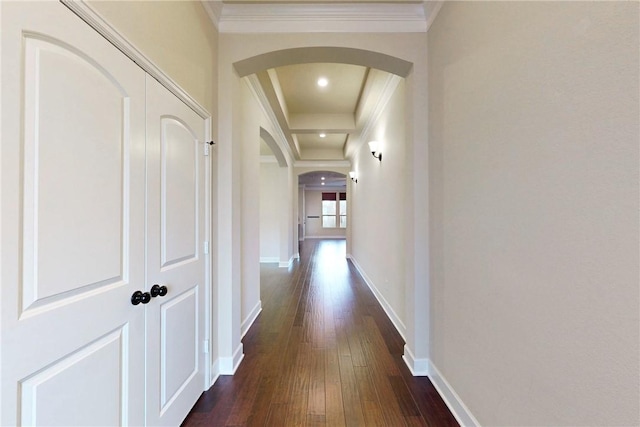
(175,258)
(73,191)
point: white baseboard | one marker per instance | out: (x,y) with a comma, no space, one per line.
(457,407)
(215,372)
(285,264)
(418,367)
(251,318)
(229,365)
(400,327)
(269,259)
(297,255)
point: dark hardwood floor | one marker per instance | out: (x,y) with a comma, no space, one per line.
(321,353)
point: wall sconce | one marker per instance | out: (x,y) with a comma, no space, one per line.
(374,146)
(353,176)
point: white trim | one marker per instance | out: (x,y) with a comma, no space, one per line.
(89,15)
(431,10)
(418,367)
(214,10)
(269,259)
(285,264)
(251,318)
(229,365)
(400,327)
(457,407)
(208,299)
(215,373)
(318,17)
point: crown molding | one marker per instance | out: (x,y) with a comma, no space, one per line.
(214,10)
(321,17)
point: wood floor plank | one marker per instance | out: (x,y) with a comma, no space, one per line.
(353,414)
(322,353)
(316,405)
(334,404)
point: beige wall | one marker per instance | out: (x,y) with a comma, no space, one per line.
(251,117)
(177,36)
(533,137)
(378,208)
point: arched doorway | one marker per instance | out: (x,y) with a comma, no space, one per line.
(244,54)
(322,205)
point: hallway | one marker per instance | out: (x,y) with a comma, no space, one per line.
(321,353)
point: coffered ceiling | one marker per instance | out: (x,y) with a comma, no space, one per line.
(317,114)
(320,122)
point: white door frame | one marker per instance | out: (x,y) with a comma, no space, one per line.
(98,23)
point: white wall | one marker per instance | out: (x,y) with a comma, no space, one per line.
(301,214)
(270,207)
(250,196)
(534,118)
(278,218)
(378,207)
(313,207)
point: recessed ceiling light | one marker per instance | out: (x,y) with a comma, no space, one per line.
(323,183)
(322,178)
(323,82)
(322,135)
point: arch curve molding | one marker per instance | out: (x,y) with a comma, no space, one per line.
(333,54)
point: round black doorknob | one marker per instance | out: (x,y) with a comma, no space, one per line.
(140,297)
(158,291)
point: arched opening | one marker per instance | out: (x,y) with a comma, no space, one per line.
(322,205)
(335,54)
(242,57)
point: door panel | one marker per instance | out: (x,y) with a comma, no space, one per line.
(179,344)
(179,191)
(71,149)
(42,399)
(73,218)
(175,183)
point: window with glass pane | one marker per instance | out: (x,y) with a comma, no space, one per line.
(329,210)
(343,210)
